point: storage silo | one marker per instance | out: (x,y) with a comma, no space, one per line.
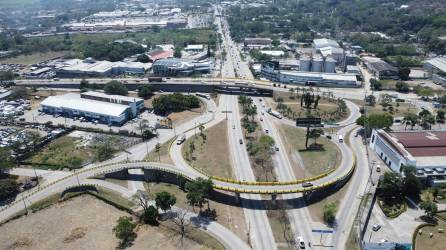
(317,64)
(304,63)
(330,65)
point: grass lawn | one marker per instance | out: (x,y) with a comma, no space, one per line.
(210,155)
(58,153)
(33,58)
(314,162)
(326,109)
(437,242)
(163,156)
(230,216)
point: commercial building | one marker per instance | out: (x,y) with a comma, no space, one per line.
(92,68)
(436,68)
(94,106)
(424,150)
(180,67)
(319,44)
(380,68)
(257,43)
(271,70)
(194,48)
(135,104)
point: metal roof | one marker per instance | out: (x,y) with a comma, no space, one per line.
(114,97)
(74,102)
(438,62)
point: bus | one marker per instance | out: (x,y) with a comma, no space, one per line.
(341,138)
(275,114)
(206,96)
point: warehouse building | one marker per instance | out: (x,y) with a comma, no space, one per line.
(271,70)
(425,150)
(436,68)
(92,68)
(257,42)
(94,106)
(180,67)
(381,69)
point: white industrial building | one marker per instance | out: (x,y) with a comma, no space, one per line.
(92,68)
(436,68)
(424,150)
(194,48)
(325,43)
(271,70)
(94,106)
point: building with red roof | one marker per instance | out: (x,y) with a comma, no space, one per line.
(425,150)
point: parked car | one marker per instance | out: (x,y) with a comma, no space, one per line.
(241,141)
(376,227)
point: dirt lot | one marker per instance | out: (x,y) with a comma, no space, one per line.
(65,226)
(314,162)
(231,217)
(211,155)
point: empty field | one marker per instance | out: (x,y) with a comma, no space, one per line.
(210,155)
(315,162)
(33,58)
(65,226)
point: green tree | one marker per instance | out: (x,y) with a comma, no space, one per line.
(143,58)
(370,100)
(329,212)
(177,52)
(124,230)
(404,73)
(411,185)
(402,87)
(266,141)
(429,207)
(8,188)
(315,134)
(148,134)
(375,84)
(441,115)
(150,216)
(426,119)
(410,119)
(165,200)
(375,121)
(198,192)
(115,88)
(390,186)
(7,75)
(75,162)
(7,161)
(83,84)
(145,91)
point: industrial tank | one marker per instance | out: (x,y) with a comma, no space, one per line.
(304,63)
(317,65)
(330,65)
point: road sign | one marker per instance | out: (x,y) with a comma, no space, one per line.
(321,231)
(309,122)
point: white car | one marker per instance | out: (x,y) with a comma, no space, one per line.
(301,242)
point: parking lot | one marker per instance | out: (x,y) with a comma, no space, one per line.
(133,125)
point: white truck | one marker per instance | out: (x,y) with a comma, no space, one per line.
(181,138)
(341,138)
